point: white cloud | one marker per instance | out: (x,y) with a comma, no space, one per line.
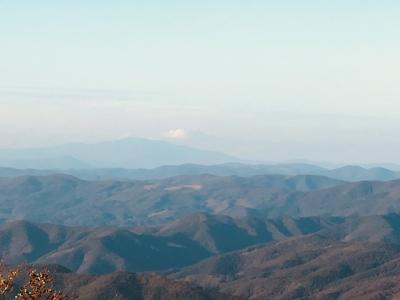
(177,134)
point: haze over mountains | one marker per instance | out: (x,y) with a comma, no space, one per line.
(144,159)
(346,173)
(67,200)
(222,230)
(200,150)
(123,153)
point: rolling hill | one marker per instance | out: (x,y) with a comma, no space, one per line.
(308,267)
(180,243)
(177,244)
(62,199)
(118,286)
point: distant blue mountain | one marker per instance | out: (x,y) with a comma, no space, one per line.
(124,153)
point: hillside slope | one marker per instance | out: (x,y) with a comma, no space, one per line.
(174,245)
(67,200)
(117,285)
(307,267)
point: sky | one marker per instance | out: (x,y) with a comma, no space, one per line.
(262,80)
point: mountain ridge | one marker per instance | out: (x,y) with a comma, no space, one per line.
(307,267)
(127,153)
(345,173)
(71,201)
(177,244)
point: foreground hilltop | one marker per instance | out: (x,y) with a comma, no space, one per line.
(112,286)
(309,267)
(129,286)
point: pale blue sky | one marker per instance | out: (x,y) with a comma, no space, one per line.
(270,80)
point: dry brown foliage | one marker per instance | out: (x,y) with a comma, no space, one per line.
(38,286)
(7,282)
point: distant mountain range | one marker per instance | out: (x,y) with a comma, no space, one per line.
(346,173)
(145,159)
(251,237)
(63,199)
(123,153)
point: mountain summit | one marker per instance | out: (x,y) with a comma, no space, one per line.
(122,153)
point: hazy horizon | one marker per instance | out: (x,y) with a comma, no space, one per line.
(263,80)
(236,159)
